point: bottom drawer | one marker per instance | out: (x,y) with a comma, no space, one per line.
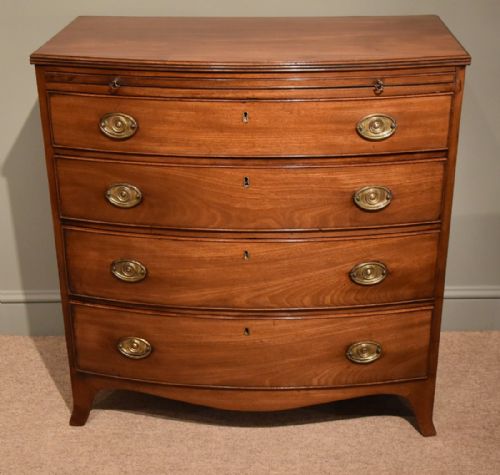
(252,352)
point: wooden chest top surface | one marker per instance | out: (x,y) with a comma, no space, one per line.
(253,43)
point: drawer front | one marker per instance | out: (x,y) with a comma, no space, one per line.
(239,198)
(249,129)
(252,352)
(247,274)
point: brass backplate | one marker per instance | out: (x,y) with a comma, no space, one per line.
(117,125)
(364,352)
(368,273)
(123,195)
(376,126)
(128,270)
(372,198)
(134,347)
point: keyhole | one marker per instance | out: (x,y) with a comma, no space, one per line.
(246,331)
(246,182)
(245,117)
(246,255)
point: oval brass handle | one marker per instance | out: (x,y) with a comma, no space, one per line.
(368,273)
(128,270)
(124,195)
(376,127)
(364,352)
(372,198)
(134,347)
(118,125)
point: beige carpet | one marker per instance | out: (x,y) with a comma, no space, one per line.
(133,433)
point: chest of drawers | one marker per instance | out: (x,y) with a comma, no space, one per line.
(252,214)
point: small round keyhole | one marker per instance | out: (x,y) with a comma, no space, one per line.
(246,255)
(245,117)
(246,182)
(246,331)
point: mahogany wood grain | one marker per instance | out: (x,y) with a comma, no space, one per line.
(71,73)
(282,128)
(427,402)
(133,84)
(287,198)
(275,352)
(253,43)
(249,87)
(262,236)
(295,93)
(305,83)
(77,391)
(416,392)
(202,272)
(257,162)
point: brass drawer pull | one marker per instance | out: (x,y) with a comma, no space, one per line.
(378,87)
(114,85)
(134,347)
(363,352)
(368,273)
(376,127)
(128,270)
(373,198)
(117,125)
(123,195)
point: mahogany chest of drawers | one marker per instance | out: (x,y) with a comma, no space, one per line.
(252,214)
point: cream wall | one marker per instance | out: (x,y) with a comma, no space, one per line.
(28,280)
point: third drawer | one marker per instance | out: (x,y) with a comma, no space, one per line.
(246,274)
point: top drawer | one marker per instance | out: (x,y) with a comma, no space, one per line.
(250,129)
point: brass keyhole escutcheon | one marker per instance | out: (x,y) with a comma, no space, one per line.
(246,331)
(246,255)
(245,117)
(246,182)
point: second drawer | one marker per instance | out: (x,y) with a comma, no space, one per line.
(246,274)
(245,198)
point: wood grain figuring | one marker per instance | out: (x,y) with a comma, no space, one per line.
(211,128)
(254,162)
(259,93)
(286,274)
(309,86)
(287,198)
(253,43)
(247,298)
(276,353)
(134,84)
(416,392)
